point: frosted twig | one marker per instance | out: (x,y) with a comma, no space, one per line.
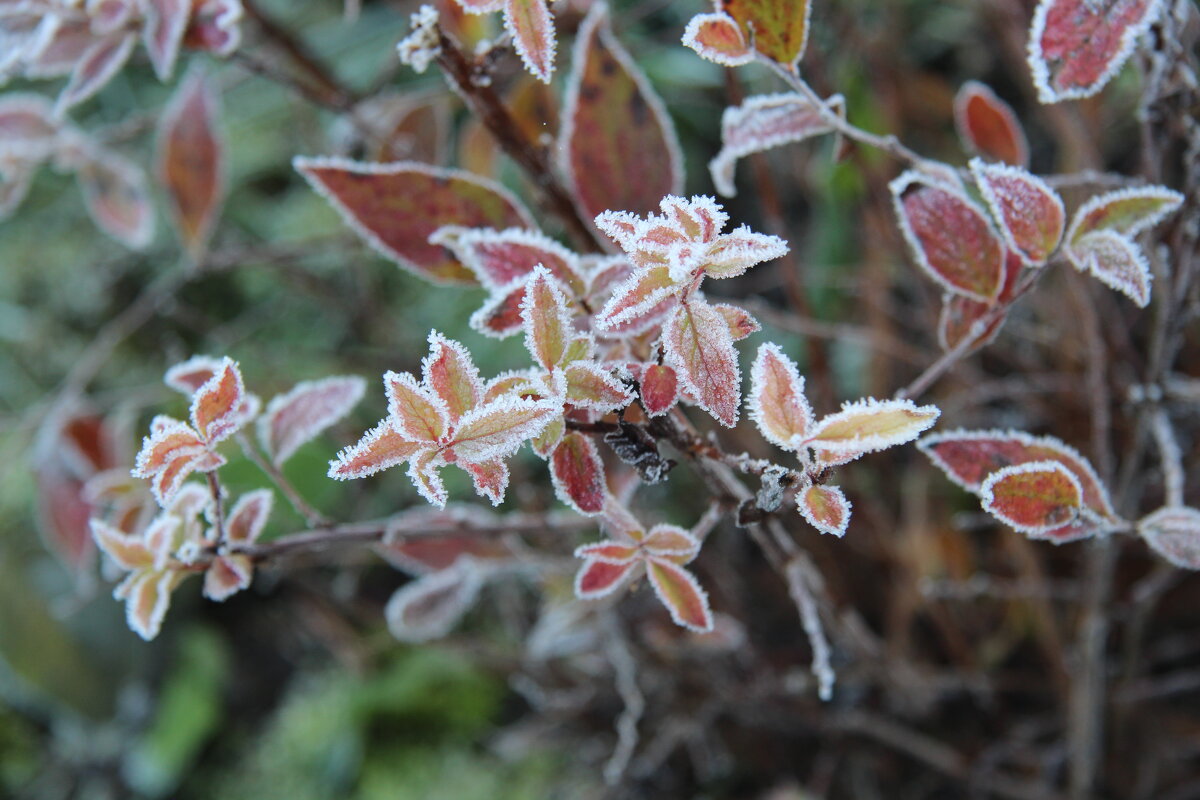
(801,574)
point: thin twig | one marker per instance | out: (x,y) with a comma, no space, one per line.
(314,518)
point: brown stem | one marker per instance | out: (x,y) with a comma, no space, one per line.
(534,161)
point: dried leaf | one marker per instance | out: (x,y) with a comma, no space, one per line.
(639,450)
(698,346)
(191,161)
(950,237)
(532,28)
(430,607)
(1174,533)
(968,457)
(717,37)
(777,403)
(1029,212)
(1116,262)
(617,141)
(777,28)
(763,122)
(1034,498)
(681,594)
(988,126)
(1077,46)
(825,508)
(868,425)
(1125,211)
(396,207)
(297,417)
(117,198)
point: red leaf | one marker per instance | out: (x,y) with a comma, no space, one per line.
(431,606)
(162,34)
(1116,262)
(681,594)
(249,516)
(825,508)
(778,28)
(1077,46)
(417,413)
(188,376)
(1174,533)
(63,516)
(597,579)
(660,389)
(219,406)
(950,237)
(959,318)
(191,161)
(547,319)
(672,543)
(297,417)
(617,142)
(968,457)
(698,346)
(1035,498)
(498,258)
(500,316)
(578,473)
(214,26)
(490,479)
(777,402)
(718,38)
(427,554)
(988,125)
(227,575)
(763,122)
(532,29)
(608,551)
(452,375)
(380,448)
(1030,213)
(396,207)
(94,69)
(117,198)
(868,425)
(1125,211)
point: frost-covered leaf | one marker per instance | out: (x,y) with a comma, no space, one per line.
(490,479)
(127,551)
(597,578)
(741,323)
(162,33)
(1077,46)
(825,508)
(500,316)
(638,295)
(590,385)
(188,376)
(1125,211)
(227,575)
(117,197)
(417,412)
(660,389)
(617,142)
(988,126)
(191,161)
(430,607)
(424,470)
(681,594)
(498,258)
(500,427)
(424,554)
(777,28)
(249,516)
(214,27)
(777,403)
(735,252)
(300,415)
(608,551)
(1029,212)
(968,457)
(578,473)
(698,346)
(1174,533)
(544,443)
(380,448)
(962,317)
(547,319)
(452,375)
(219,406)
(763,122)
(717,37)
(1034,498)
(1116,262)
(532,28)
(672,543)
(950,237)
(868,425)
(147,597)
(95,69)
(396,207)
(27,126)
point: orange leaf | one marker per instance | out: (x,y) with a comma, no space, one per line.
(191,161)
(1034,498)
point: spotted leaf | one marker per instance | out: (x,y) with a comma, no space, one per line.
(777,28)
